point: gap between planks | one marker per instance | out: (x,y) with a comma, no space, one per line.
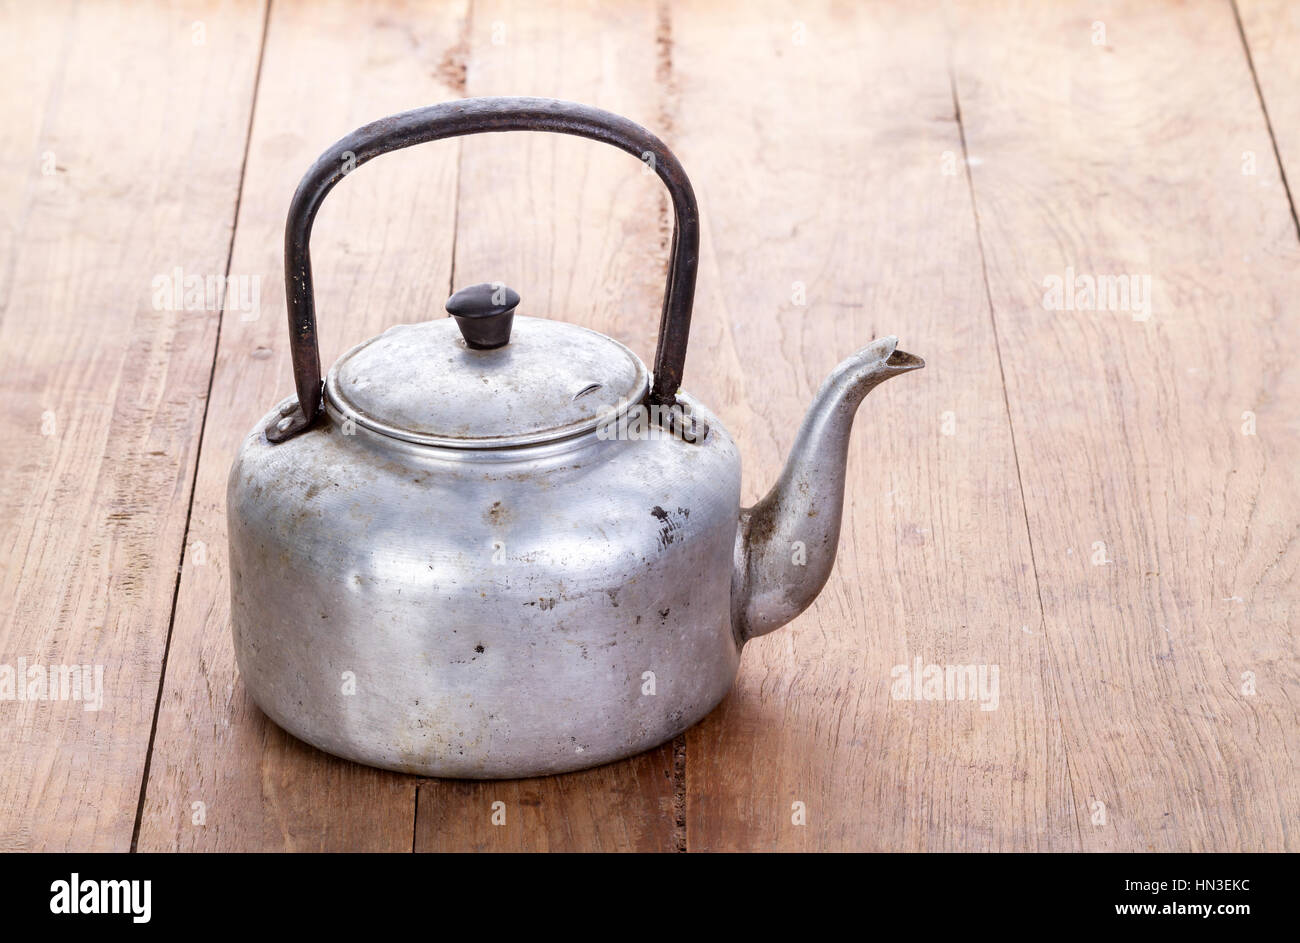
(203,421)
(1268,121)
(1011,426)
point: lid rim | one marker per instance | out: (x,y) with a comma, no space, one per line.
(466,444)
(336,398)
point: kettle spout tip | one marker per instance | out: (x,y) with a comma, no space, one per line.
(901,361)
(883,355)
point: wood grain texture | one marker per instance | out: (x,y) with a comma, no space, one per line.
(581,231)
(847,185)
(1164,534)
(1271,29)
(121,161)
(624,806)
(381,255)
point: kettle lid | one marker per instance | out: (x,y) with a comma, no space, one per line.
(500,381)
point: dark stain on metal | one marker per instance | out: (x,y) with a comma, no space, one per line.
(671,529)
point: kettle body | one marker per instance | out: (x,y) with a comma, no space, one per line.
(506,614)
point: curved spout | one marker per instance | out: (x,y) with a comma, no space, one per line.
(786,543)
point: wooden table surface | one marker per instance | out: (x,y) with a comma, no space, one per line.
(1098,499)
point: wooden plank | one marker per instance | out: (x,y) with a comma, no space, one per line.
(33,48)
(847,185)
(1158,454)
(580,230)
(625,806)
(143,132)
(1271,30)
(381,254)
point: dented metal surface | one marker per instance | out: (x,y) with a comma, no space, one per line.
(463,561)
(501,613)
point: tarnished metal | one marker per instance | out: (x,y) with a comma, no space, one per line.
(786,543)
(477,116)
(423,383)
(498,613)
(505,562)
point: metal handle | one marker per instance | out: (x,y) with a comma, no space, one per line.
(476,116)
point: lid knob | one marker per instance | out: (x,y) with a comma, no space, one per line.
(484,313)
